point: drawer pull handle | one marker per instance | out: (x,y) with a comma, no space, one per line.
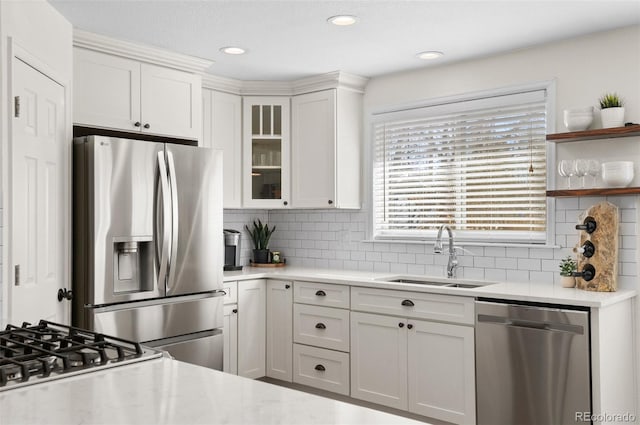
(401,325)
(408,303)
(321,293)
(235,310)
(320,326)
(319,368)
(287,286)
(409,326)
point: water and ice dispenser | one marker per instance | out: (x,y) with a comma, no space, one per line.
(133,265)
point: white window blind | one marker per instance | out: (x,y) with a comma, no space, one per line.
(466,164)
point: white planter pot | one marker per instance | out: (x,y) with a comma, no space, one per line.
(567,281)
(612,117)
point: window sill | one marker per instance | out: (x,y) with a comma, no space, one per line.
(465,243)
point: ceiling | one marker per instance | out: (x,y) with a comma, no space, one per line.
(292,39)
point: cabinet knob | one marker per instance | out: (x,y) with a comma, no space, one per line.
(235,310)
(409,326)
(285,203)
(408,303)
(401,325)
(287,286)
(320,368)
(321,293)
(320,326)
(147,125)
(330,202)
(137,124)
(64,294)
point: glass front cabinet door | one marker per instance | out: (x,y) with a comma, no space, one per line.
(266,151)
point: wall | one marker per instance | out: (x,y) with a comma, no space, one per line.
(40,30)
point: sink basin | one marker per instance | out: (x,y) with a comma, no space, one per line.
(418,281)
(433,282)
(464,285)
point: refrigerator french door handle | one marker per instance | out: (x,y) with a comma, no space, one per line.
(174,220)
(166,208)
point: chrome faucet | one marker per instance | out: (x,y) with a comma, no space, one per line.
(437,249)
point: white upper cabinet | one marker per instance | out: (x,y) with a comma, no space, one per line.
(266,152)
(124,94)
(222,125)
(325,149)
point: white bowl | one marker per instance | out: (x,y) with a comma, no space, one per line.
(617,173)
(578,119)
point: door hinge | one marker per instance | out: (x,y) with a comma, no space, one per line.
(16,275)
(16,106)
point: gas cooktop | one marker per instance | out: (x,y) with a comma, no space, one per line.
(31,354)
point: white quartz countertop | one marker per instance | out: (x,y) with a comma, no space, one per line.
(165,391)
(543,292)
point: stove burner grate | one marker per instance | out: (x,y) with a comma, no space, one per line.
(40,350)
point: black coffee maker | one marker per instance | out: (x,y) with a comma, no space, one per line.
(232,250)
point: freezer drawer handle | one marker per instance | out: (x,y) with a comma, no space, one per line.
(320,326)
(408,303)
(321,293)
(319,368)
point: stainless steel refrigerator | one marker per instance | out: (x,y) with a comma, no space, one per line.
(147,256)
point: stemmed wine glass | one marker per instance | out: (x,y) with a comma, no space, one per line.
(581,169)
(566,169)
(593,169)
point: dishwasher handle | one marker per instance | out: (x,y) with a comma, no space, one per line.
(530,324)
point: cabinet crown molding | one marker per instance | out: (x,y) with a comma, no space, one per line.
(330,80)
(143,53)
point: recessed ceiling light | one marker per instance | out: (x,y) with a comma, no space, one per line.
(231,50)
(343,20)
(428,55)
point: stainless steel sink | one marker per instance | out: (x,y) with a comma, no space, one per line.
(433,282)
(419,282)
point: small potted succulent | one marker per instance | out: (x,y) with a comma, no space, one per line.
(612,110)
(567,267)
(260,235)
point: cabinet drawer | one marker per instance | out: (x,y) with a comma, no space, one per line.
(320,368)
(325,294)
(444,308)
(321,326)
(231,289)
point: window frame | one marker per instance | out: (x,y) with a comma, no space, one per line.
(481,238)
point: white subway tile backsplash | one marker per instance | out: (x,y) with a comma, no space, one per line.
(336,239)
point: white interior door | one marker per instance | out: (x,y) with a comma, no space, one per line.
(39,206)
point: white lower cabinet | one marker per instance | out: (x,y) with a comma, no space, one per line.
(251,328)
(441,371)
(230,338)
(379,359)
(425,367)
(321,368)
(279,356)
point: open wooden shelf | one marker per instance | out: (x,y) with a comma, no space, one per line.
(601,133)
(601,191)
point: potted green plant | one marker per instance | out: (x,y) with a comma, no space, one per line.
(611,110)
(260,235)
(567,267)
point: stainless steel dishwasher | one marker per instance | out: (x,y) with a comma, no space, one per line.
(532,364)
